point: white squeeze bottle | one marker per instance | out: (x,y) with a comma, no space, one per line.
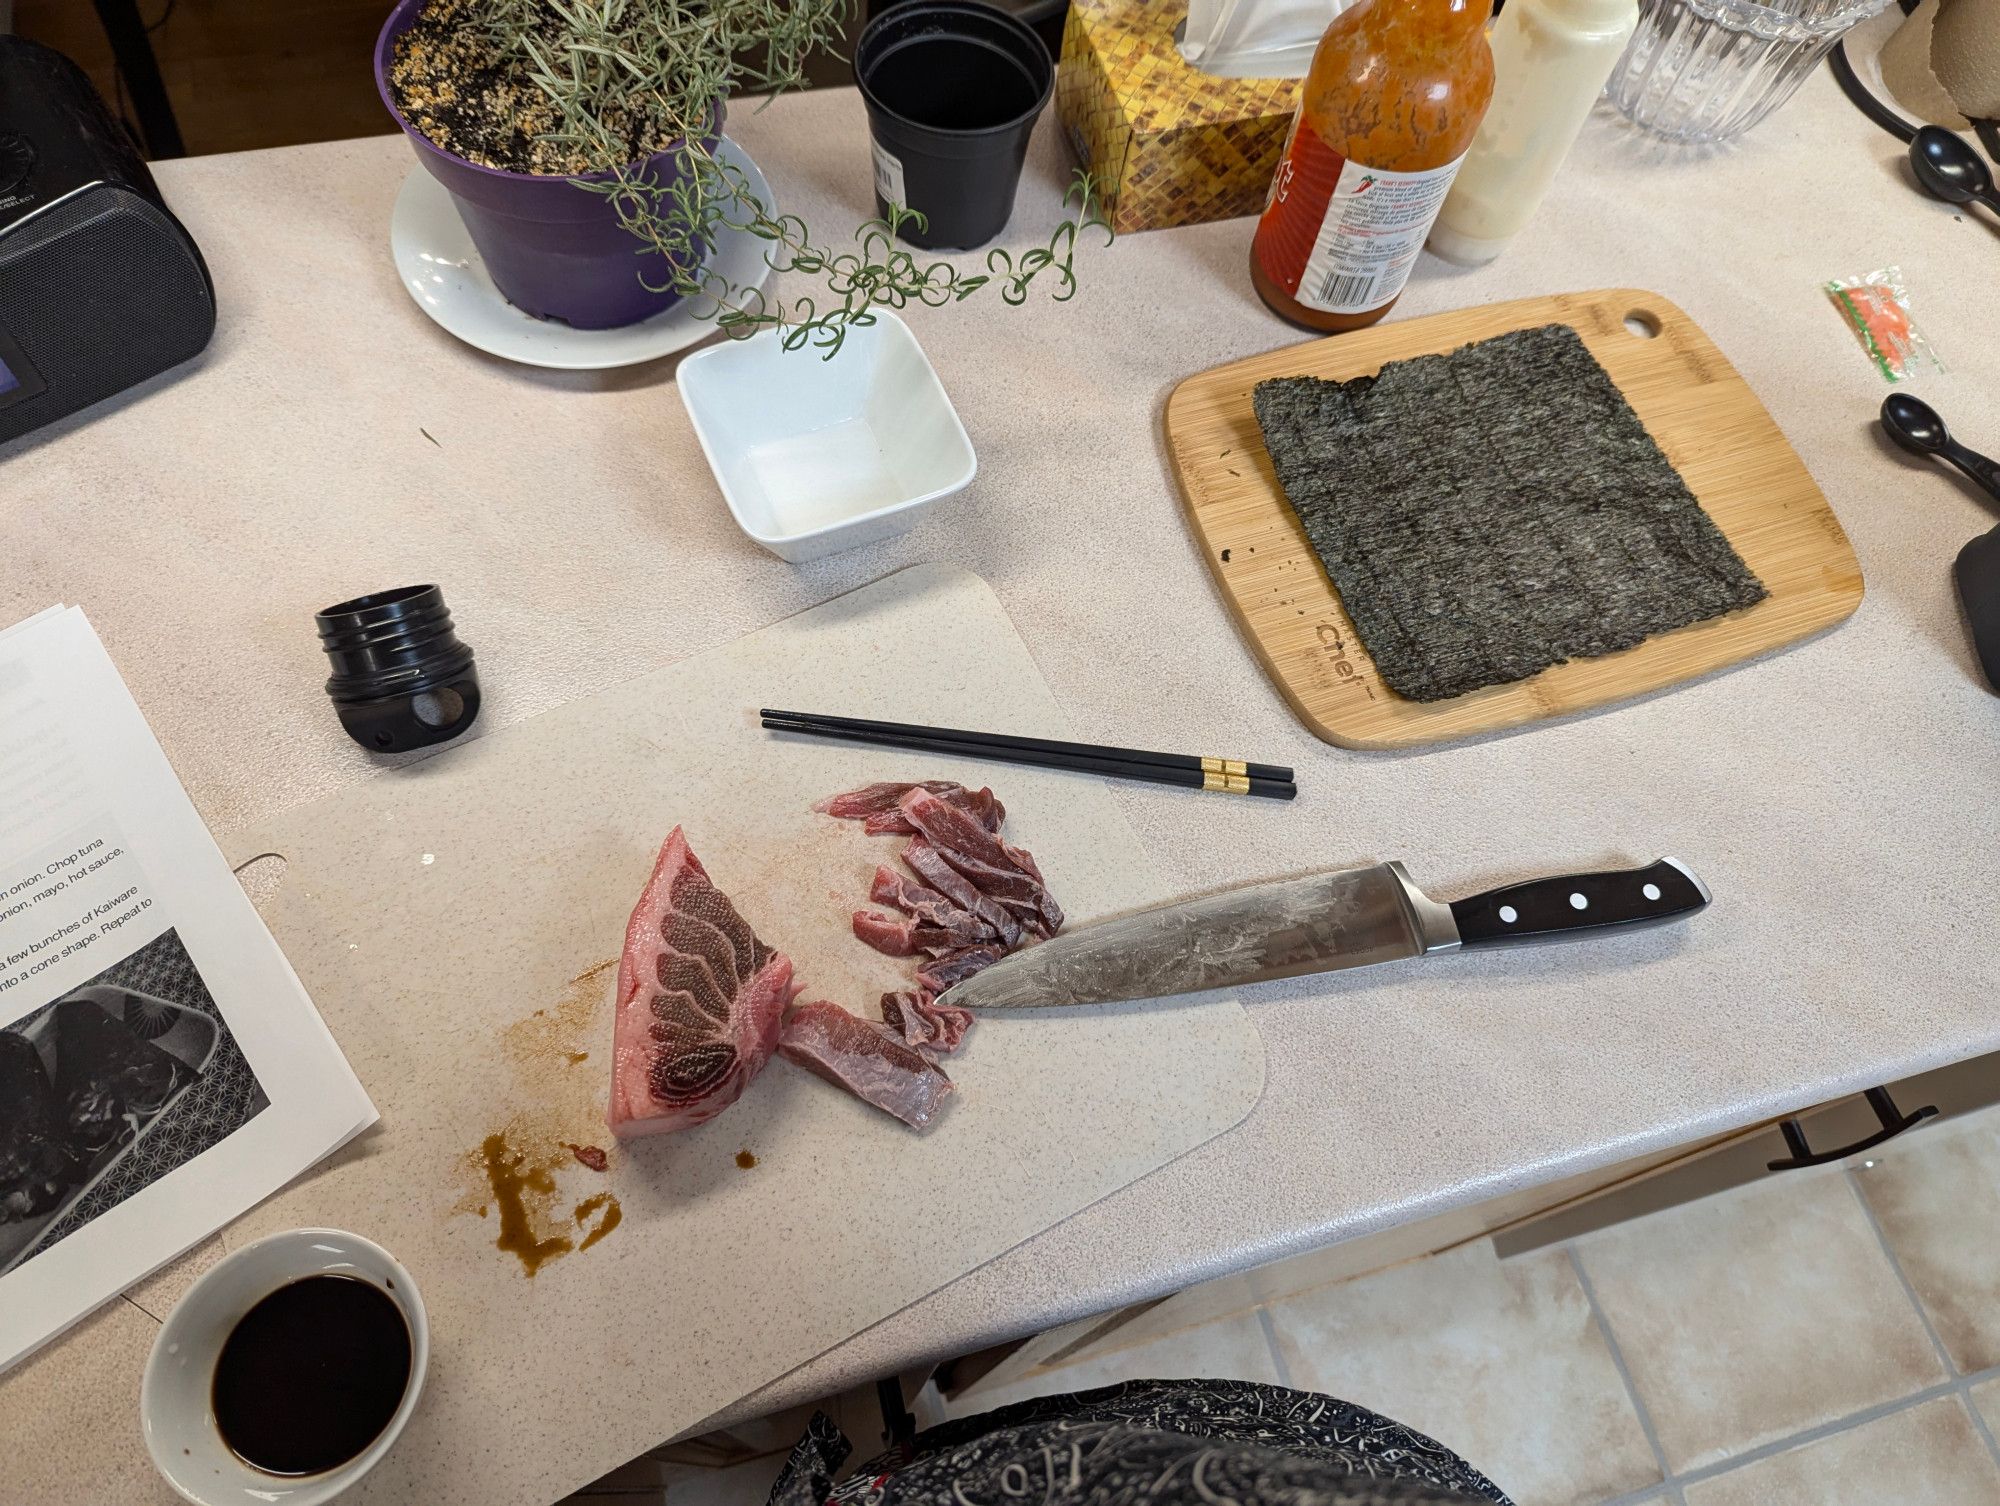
(1550,61)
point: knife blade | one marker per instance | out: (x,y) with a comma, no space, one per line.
(1354,917)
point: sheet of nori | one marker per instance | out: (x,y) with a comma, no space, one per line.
(1490,512)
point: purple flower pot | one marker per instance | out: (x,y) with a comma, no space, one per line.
(555,250)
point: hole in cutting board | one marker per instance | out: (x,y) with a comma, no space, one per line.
(1643,324)
(261,877)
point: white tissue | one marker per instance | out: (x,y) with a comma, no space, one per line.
(1255,38)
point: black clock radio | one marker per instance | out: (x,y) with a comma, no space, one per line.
(100,287)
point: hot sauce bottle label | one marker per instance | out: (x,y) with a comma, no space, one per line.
(1341,237)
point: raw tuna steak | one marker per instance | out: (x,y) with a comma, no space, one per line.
(868,1059)
(700,1002)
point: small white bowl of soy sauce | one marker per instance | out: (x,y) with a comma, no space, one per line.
(286,1372)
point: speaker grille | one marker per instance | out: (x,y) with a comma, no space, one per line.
(100,291)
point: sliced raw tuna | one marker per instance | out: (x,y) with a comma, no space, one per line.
(979,804)
(870,799)
(941,973)
(876,805)
(983,859)
(927,905)
(975,898)
(1023,860)
(1023,898)
(868,1059)
(929,1026)
(929,865)
(948,825)
(903,935)
(700,1001)
(1009,885)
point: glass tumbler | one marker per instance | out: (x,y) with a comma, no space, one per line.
(1708,70)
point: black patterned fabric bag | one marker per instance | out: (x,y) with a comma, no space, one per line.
(1147,1443)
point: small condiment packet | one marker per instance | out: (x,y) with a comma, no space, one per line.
(1876,307)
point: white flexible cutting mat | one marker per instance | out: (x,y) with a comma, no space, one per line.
(446,917)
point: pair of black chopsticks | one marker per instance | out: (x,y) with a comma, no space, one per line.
(1220,775)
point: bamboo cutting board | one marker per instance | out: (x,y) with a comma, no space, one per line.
(1698,410)
(456,921)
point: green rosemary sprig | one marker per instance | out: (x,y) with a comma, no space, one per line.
(682,218)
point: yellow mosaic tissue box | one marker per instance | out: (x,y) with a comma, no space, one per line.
(1169,145)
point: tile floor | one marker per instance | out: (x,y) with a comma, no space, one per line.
(1817,1338)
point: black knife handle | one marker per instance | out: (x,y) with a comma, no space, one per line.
(1545,909)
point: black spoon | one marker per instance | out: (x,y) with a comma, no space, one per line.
(1948,168)
(1919,428)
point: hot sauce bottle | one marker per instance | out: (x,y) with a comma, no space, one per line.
(1392,102)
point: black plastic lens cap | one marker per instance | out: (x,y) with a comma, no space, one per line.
(401,678)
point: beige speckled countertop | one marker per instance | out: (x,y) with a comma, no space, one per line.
(1842,799)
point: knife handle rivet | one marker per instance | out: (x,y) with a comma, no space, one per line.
(1651,891)
(1509,914)
(1578,902)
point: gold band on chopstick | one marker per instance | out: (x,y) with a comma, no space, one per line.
(1227,784)
(1227,766)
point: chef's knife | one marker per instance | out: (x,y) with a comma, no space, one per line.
(1351,918)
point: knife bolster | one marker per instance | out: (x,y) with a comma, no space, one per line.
(1430,921)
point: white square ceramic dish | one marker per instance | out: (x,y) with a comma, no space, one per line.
(815,456)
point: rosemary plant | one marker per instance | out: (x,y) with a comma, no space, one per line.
(628,78)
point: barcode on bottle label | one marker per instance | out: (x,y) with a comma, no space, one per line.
(1351,289)
(1375,225)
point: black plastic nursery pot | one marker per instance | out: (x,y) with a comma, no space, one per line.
(953,88)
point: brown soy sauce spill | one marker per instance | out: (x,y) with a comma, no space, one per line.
(523,1191)
(612,1216)
(519,1191)
(311,1375)
(744,1160)
(520,1168)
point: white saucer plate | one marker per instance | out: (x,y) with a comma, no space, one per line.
(443,272)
